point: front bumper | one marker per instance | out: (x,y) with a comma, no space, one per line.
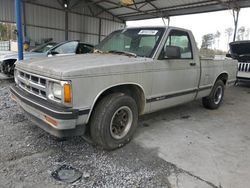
(58,121)
(243,76)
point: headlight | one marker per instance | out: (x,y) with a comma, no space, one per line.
(60,92)
(56,90)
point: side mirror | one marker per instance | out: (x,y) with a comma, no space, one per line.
(229,55)
(172,52)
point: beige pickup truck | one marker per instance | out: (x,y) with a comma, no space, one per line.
(133,71)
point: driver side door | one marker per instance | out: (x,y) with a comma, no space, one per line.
(176,73)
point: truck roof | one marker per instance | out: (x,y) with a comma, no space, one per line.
(160,27)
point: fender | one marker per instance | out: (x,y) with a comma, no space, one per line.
(112,86)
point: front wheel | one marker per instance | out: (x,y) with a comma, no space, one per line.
(114,121)
(214,100)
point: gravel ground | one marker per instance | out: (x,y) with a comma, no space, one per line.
(28,156)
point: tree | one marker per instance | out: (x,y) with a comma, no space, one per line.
(3,31)
(241,33)
(247,33)
(207,41)
(217,38)
(6,31)
(229,33)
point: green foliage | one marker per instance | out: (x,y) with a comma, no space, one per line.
(6,31)
(207,40)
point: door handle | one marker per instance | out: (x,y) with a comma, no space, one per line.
(192,64)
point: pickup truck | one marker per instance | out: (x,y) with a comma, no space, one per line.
(240,50)
(132,72)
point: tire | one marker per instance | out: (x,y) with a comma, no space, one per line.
(114,121)
(214,100)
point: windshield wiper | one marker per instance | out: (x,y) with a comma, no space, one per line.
(122,52)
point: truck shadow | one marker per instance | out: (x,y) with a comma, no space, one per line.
(244,84)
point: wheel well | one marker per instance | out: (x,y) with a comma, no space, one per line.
(134,91)
(11,61)
(223,77)
(7,66)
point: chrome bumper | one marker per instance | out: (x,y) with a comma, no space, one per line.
(58,121)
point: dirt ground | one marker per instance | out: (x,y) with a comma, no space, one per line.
(185,147)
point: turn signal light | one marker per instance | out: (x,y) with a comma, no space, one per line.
(67,93)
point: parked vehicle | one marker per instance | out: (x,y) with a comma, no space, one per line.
(7,62)
(133,71)
(240,50)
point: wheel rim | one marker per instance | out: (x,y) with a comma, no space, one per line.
(218,95)
(121,122)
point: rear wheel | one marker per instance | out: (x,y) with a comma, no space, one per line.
(214,100)
(114,121)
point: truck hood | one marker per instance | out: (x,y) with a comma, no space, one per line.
(69,67)
(240,50)
(26,55)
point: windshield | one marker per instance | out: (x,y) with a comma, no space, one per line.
(44,47)
(66,47)
(139,41)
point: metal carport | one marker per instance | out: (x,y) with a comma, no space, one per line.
(143,9)
(91,20)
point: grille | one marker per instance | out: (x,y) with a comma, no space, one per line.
(244,67)
(32,83)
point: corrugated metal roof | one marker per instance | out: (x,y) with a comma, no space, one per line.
(143,9)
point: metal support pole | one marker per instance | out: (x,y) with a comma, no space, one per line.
(19,29)
(236,18)
(100,30)
(66,24)
(24,20)
(168,21)
(65,4)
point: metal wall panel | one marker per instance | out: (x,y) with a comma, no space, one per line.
(44,19)
(82,10)
(90,25)
(88,28)
(75,36)
(7,10)
(51,3)
(110,17)
(36,34)
(109,26)
(75,22)
(91,39)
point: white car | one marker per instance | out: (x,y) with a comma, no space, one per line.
(7,62)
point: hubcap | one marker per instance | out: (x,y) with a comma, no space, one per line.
(218,95)
(121,122)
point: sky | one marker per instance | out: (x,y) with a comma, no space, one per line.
(204,23)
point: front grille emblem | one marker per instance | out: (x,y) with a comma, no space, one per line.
(27,82)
